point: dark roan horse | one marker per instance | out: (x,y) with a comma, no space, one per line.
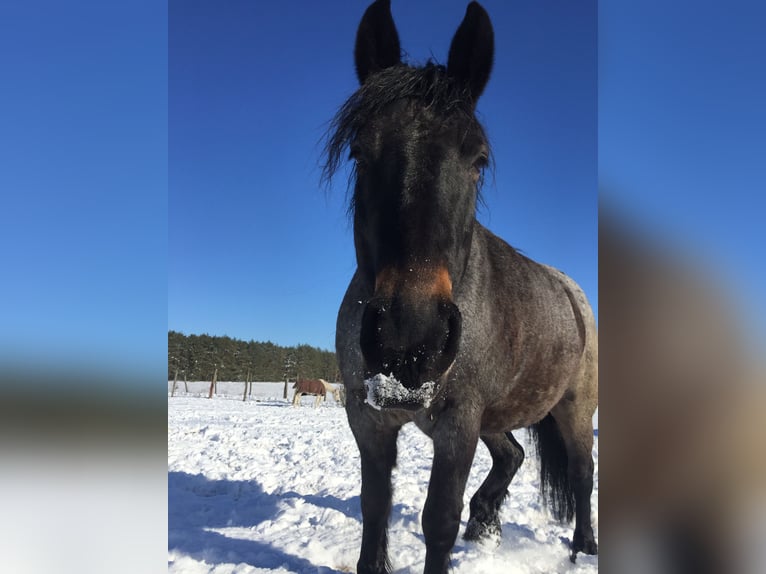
(444,324)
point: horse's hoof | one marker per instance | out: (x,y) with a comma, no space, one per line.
(585,545)
(476,530)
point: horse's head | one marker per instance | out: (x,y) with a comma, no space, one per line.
(419,155)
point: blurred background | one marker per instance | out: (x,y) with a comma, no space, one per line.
(682,142)
(83,295)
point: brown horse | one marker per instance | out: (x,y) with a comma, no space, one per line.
(315,387)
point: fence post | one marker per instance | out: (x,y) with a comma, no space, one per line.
(247,377)
(212,383)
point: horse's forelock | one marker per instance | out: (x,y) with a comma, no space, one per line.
(430,83)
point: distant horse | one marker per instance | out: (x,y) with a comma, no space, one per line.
(444,324)
(335,390)
(316,387)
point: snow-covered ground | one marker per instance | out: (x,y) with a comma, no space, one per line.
(261,486)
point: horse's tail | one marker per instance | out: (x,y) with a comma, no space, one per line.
(556,489)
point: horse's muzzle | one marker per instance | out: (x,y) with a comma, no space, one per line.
(414,341)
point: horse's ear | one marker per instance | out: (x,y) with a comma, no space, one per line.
(377,42)
(472,50)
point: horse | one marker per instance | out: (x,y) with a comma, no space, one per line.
(316,387)
(308,387)
(443,323)
(332,389)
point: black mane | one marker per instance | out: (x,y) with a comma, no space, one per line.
(430,83)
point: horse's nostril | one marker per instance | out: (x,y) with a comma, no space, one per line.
(372,337)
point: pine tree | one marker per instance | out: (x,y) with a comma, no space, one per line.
(200,357)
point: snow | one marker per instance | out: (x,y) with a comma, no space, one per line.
(261,486)
(386,390)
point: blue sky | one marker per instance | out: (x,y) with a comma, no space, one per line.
(108,184)
(257,250)
(83,185)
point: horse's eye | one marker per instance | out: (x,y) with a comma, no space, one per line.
(481,162)
(477,168)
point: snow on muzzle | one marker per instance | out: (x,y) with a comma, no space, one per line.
(386,392)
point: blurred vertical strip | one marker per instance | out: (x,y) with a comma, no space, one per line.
(682,174)
(83,305)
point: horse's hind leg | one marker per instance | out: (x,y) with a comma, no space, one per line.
(576,430)
(507,456)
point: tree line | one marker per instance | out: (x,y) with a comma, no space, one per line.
(207,357)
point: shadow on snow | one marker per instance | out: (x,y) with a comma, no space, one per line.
(197,504)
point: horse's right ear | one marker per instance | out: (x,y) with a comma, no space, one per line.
(377,41)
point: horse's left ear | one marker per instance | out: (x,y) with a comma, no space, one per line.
(472,50)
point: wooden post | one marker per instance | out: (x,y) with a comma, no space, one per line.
(213,383)
(247,379)
(175,382)
(284,392)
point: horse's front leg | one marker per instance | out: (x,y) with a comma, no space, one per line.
(377,449)
(454,448)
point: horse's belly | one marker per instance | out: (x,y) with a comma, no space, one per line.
(521,408)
